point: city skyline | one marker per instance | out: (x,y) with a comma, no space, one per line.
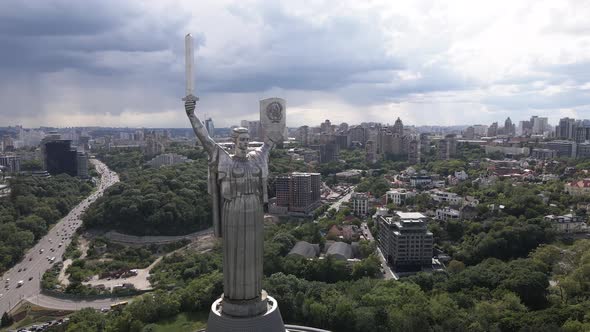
(430,64)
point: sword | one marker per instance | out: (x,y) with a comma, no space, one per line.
(188,54)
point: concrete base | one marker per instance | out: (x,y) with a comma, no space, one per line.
(245,308)
(270,321)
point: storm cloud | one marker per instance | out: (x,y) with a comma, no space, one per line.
(120,63)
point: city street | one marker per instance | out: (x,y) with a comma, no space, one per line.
(343,199)
(48,251)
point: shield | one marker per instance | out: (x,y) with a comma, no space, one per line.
(273,119)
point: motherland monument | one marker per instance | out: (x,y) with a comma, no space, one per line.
(237,184)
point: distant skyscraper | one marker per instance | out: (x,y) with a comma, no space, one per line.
(509,128)
(493,130)
(447,147)
(469,133)
(210,127)
(540,125)
(566,128)
(398,127)
(414,153)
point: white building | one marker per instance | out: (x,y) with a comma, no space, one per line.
(461,175)
(447,214)
(398,196)
(441,196)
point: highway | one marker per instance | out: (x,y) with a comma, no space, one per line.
(37,259)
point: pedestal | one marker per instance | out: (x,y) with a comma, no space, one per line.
(268,321)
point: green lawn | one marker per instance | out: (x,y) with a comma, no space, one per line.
(186,321)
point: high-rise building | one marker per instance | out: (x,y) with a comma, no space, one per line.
(582,131)
(82,164)
(540,125)
(398,127)
(509,128)
(357,134)
(370,152)
(303,135)
(405,240)
(493,130)
(327,128)
(210,127)
(414,154)
(300,192)
(328,152)
(60,157)
(447,147)
(480,130)
(469,133)
(566,128)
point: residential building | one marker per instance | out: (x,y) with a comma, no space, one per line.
(406,243)
(360,204)
(300,192)
(447,214)
(10,162)
(417,181)
(441,196)
(461,175)
(398,196)
(544,154)
(578,188)
(569,223)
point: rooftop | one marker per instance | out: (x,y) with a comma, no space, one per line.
(410,215)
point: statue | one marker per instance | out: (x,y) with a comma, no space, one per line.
(237,184)
(238,187)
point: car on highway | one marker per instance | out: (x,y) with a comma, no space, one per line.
(30,278)
(41,251)
(20,283)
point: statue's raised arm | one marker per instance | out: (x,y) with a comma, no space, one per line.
(200,130)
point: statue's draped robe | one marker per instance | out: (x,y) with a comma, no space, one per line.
(238,189)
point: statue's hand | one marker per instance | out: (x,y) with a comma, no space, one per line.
(189,106)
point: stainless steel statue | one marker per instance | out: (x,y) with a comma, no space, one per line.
(238,188)
(237,184)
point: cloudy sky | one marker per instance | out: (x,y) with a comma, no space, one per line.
(120,63)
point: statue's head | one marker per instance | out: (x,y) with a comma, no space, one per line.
(241,139)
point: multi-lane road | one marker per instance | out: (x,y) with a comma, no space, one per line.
(49,251)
